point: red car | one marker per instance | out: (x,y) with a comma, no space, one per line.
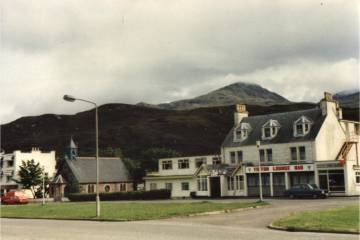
(14,197)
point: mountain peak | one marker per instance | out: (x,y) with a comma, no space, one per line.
(244,92)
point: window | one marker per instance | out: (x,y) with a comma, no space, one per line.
(216,160)
(232,157)
(293,154)
(239,156)
(230,181)
(168,186)
(122,187)
(302,126)
(262,155)
(167,165)
(269,155)
(200,161)
(91,188)
(107,188)
(183,163)
(235,183)
(10,163)
(270,129)
(241,132)
(202,183)
(185,186)
(357,177)
(153,186)
(302,153)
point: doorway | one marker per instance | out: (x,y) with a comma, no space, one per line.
(215,188)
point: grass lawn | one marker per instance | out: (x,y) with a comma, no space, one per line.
(119,210)
(344,219)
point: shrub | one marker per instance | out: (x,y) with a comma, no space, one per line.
(115,196)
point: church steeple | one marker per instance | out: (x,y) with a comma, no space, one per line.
(72,152)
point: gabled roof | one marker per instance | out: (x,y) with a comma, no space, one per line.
(285,133)
(110,169)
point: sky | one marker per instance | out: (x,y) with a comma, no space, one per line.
(160,51)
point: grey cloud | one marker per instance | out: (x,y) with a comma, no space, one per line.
(163,51)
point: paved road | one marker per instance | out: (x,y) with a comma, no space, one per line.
(250,224)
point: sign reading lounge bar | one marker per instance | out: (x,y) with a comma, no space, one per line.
(281,168)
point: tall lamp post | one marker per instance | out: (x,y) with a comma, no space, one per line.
(73,99)
(260,182)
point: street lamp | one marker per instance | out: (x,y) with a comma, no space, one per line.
(73,99)
(260,182)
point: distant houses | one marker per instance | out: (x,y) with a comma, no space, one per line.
(10,165)
(314,146)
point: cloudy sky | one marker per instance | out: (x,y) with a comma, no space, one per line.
(161,51)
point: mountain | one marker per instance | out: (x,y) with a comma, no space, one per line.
(131,128)
(348,99)
(235,93)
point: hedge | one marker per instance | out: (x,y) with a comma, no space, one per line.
(115,196)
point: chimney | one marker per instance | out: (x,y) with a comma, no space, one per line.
(328,105)
(240,113)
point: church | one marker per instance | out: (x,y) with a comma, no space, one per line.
(79,173)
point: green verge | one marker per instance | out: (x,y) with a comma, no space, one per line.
(125,211)
(344,219)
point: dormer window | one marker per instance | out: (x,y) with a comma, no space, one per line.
(270,129)
(302,126)
(242,132)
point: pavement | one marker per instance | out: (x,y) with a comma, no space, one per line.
(247,224)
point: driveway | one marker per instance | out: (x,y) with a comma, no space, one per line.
(261,218)
(248,224)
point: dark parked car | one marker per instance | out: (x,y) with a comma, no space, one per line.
(305,190)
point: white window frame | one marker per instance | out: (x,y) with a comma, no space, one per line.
(183,164)
(357,177)
(202,183)
(241,132)
(164,162)
(169,186)
(273,127)
(185,184)
(305,123)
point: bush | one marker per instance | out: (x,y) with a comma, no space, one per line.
(115,196)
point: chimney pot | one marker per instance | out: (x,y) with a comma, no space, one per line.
(240,108)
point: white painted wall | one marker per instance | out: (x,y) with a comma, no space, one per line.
(47,161)
(281,152)
(176,185)
(189,171)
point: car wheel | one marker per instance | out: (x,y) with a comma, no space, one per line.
(291,196)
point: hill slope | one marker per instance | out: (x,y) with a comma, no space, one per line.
(348,99)
(132,128)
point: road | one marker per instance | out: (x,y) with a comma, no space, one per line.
(248,224)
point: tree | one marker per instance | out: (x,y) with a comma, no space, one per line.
(30,175)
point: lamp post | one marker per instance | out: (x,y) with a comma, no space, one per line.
(73,99)
(260,182)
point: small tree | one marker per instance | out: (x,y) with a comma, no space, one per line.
(30,175)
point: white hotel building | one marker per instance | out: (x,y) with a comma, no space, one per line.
(309,146)
(10,165)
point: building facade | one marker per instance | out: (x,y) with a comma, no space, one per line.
(10,165)
(313,146)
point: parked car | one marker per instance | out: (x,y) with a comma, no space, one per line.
(14,197)
(305,190)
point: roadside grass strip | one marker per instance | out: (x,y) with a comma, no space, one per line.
(337,220)
(120,211)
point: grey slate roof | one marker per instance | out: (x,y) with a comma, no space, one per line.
(110,170)
(285,133)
